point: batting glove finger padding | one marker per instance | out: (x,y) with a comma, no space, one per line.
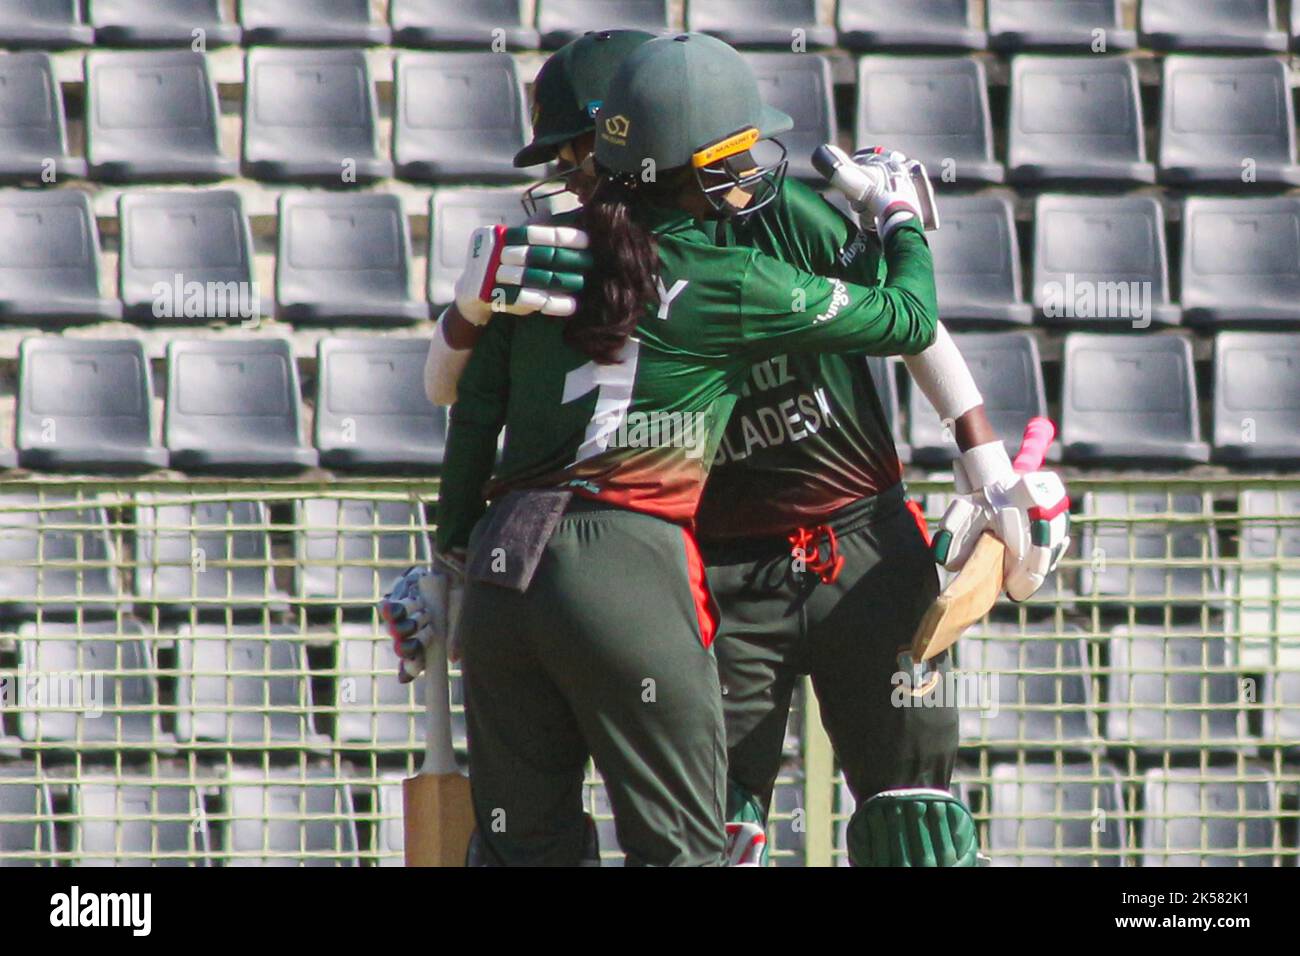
(417,612)
(522,271)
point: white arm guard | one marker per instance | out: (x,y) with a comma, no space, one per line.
(943,377)
(443,367)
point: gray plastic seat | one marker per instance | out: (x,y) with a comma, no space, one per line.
(371,410)
(44,24)
(977,261)
(1218,112)
(1057,24)
(1282,708)
(344,556)
(34,130)
(284,820)
(935,109)
(161,22)
(1265,610)
(1257,397)
(1216,816)
(1130,398)
(922,25)
(453,215)
(458,117)
(233,406)
(800,85)
(1043,815)
(86,405)
(1241,261)
(311,115)
(1076,118)
(153,116)
(454,23)
(196,245)
(311,22)
(375,709)
(115,667)
(760,23)
(882,374)
(22,794)
(1102,261)
(1238,25)
(345,259)
(145,823)
(1172,690)
(56,560)
(563,21)
(49,259)
(389,831)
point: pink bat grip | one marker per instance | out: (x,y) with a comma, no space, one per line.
(1033,448)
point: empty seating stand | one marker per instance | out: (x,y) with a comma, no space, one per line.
(140,823)
(977,262)
(33,138)
(86,405)
(49,259)
(921,25)
(187,258)
(453,215)
(162,23)
(935,109)
(311,115)
(27,827)
(1047,816)
(1257,397)
(233,407)
(1267,614)
(285,820)
(376,710)
(800,85)
(44,24)
(458,117)
(1227,121)
(1076,119)
(1094,25)
(1241,261)
(1216,816)
(789,24)
(562,21)
(1218,25)
(1102,261)
(351,550)
(57,557)
(311,22)
(454,23)
(153,116)
(371,410)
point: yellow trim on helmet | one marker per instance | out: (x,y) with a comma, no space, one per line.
(730,146)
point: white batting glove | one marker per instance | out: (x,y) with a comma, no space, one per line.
(418,611)
(521,271)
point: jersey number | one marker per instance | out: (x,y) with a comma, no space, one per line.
(613,398)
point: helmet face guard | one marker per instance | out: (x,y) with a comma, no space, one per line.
(558,183)
(728,165)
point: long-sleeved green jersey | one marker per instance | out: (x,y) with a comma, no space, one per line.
(644,432)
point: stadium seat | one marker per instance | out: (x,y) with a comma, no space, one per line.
(161,23)
(882,371)
(562,21)
(1218,25)
(1058,24)
(86,405)
(153,117)
(1040,696)
(49,259)
(205,556)
(1126,550)
(791,24)
(33,137)
(1006,367)
(1265,611)
(144,823)
(1282,708)
(1172,690)
(1130,398)
(1067,815)
(232,407)
(801,85)
(453,216)
(459,116)
(921,25)
(116,671)
(287,820)
(1076,119)
(311,22)
(371,410)
(186,257)
(27,827)
(345,258)
(1216,816)
(935,109)
(389,839)
(1241,261)
(1227,121)
(244,686)
(44,24)
(56,560)
(977,261)
(311,115)
(343,556)
(1257,397)
(373,708)
(454,23)
(1102,261)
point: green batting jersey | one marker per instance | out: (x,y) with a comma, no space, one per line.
(642,433)
(808,434)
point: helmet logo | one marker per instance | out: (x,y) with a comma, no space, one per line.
(616,129)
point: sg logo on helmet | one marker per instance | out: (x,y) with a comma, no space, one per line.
(617,128)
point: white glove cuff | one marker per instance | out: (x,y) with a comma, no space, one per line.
(988,464)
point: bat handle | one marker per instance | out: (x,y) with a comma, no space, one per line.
(439,756)
(1033,448)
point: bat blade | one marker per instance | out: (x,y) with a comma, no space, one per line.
(438,819)
(966,599)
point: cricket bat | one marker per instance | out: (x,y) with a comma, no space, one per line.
(970,595)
